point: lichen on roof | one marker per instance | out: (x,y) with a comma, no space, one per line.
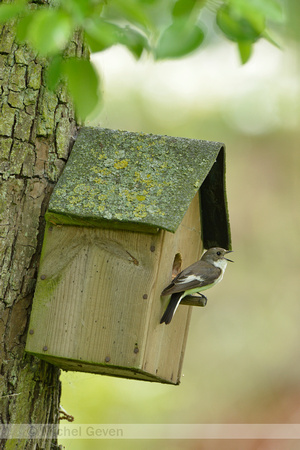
(130,180)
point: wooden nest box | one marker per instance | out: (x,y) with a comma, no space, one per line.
(129,210)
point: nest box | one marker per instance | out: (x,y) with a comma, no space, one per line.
(129,210)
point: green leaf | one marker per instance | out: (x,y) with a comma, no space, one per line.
(134,41)
(271,40)
(183,8)
(83,84)
(54,72)
(238,27)
(101,34)
(23,26)
(49,31)
(11,10)
(270,9)
(133,11)
(82,9)
(179,40)
(245,50)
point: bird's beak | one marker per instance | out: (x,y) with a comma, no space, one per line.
(227,259)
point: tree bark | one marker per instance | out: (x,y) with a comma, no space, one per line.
(36,129)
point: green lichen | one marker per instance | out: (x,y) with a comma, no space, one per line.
(23,126)
(16,99)
(34,76)
(45,123)
(62,131)
(7,120)
(17,80)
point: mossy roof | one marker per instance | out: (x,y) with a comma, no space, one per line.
(141,182)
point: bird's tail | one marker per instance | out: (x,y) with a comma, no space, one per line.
(171,308)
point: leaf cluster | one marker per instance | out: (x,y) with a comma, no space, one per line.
(169,29)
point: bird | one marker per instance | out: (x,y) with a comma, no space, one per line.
(201,275)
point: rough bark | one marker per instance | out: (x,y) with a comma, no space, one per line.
(36,129)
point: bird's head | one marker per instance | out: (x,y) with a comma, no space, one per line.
(216,255)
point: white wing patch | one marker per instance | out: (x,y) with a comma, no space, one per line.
(188,279)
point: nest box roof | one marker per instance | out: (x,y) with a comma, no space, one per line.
(142,182)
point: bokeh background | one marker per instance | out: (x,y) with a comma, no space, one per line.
(242,360)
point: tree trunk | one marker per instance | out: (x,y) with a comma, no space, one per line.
(36,129)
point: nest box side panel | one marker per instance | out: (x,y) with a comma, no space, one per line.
(90,304)
(166,343)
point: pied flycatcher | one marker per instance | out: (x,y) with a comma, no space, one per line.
(201,275)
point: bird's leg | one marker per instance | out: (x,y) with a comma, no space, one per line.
(202,296)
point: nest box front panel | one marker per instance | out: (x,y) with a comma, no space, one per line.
(90,301)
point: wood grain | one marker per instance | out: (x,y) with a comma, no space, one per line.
(97,304)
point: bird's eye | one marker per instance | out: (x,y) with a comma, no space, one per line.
(218,253)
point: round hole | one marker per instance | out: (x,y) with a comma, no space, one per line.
(177,263)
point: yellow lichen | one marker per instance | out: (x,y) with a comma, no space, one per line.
(102,197)
(129,196)
(105,171)
(89,204)
(140,211)
(121,164)
(73,199)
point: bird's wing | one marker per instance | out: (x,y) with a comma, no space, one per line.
(198,274)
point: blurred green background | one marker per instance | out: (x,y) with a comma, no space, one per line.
(242,357)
